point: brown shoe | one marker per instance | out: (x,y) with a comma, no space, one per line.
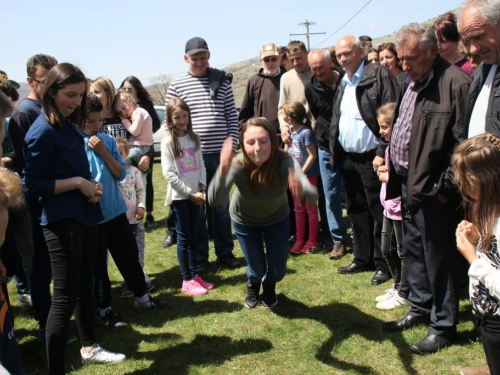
(338,250)
(475,370)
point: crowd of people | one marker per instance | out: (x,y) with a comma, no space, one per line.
(407,132)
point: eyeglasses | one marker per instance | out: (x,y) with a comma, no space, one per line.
(127,88)
(273,59)
(42,82)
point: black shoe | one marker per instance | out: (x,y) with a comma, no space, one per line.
(112,319)
(169,241)
(202,265)
(269,298)
(405,322)
(351,268)
(150,221)
(431,344)
(252,295)
(229,261)
(380,277)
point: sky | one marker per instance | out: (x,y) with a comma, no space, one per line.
(147,38)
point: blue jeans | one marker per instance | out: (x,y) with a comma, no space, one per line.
(331,185)
(270,264)
(221,231)
(186,224)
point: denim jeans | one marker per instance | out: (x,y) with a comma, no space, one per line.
(186,224)
(221,231)
(268,265)
(72,249)
(331,185)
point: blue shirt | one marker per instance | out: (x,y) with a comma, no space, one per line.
(354,134)
(304,137)
(112,203)
(55,154)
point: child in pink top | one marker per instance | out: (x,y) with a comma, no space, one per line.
(392,224)
(138,123)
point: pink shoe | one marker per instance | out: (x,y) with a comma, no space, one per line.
(192,288)
(310,247)
(203,283)
(297,246)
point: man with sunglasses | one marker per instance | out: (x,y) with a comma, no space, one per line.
(263,89)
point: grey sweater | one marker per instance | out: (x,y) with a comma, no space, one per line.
(271,206)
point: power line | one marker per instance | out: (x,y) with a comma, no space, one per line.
(341,27)
(306,24)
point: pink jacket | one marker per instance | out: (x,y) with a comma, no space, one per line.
(392,207)
(141,127)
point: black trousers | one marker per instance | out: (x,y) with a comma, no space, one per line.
(430,253)
(489,326)
(116,236)
(150,192)
(364,209)
(72,249)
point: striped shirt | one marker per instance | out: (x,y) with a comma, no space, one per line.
(213,120)
(401,131)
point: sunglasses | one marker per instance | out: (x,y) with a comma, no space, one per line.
(273,59)
(127,88)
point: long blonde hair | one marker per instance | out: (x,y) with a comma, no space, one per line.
(476,167)
(172,105)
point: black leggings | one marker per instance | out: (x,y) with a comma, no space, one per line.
(72,249)
(490,333)
(116,236)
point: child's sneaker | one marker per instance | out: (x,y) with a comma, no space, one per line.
(269,298)
(193,288)
(24,300)
(297,246)
(310,247)
(388,293)
(126,292)
(100,355)
(391,303)
(150,221)
(203,283)
(152,304)
(112,319)
(149,287)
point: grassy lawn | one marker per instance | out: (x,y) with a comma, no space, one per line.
(326,323)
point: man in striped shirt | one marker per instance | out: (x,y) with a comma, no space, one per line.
(213,116)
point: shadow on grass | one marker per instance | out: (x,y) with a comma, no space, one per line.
(202,351)
(343,321)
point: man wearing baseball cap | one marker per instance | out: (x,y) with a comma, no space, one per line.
(209,94)
(263,89)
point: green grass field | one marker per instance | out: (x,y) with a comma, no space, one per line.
(325,323)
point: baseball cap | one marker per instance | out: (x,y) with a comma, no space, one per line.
(5,76)
(269,49)
(195,45)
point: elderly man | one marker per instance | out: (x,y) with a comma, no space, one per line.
(320,95)
(429,122)
(354,131)
(263,89)
(479,27)
(210,98)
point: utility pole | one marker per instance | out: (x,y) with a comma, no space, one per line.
(306,24)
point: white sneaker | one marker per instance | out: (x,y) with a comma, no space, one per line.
(24,300)
(391,303)
(388,293)
(100,355)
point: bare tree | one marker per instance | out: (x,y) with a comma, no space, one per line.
(158,87)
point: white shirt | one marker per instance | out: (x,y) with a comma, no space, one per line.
(354,134)
(477,123)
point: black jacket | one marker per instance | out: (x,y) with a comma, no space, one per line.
(320,98)
(493,114)
(377,87)
(261,99)
(438,126)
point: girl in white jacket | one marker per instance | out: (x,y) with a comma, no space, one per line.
(184,170)
(477,173)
